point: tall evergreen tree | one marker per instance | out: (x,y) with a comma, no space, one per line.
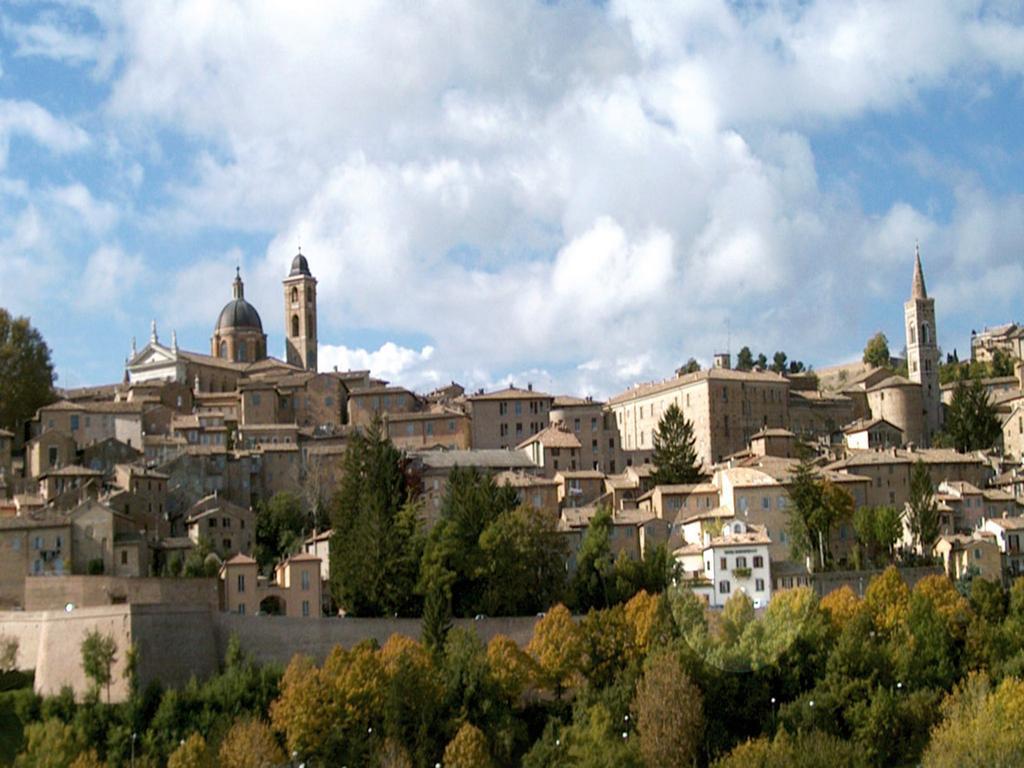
(675,453)
(922,511)
(971,420)
(376,543)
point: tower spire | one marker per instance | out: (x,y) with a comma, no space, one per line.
(239,288)
(918,290)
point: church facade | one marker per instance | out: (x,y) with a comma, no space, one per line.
(238,345)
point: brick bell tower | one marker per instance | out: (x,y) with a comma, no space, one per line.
(300,315)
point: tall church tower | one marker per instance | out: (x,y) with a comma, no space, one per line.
(923,350)
(300,315)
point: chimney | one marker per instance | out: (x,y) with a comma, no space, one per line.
(529,386)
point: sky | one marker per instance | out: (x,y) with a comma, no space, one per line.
(579,195)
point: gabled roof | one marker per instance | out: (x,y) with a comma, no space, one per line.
(240,559)
(866,424)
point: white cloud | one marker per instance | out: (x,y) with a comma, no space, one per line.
(587,192)
(401,365)
(26,118)
(110,275)
(95,215)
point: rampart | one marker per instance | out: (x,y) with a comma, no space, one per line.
(176,642)
(52,593)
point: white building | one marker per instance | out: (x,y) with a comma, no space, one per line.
(1008,532)
(735,561)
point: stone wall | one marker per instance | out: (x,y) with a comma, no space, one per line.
(279,638)
(858,581)
(177,642)
(52,593)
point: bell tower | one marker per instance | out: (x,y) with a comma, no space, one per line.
(923,350)
(300,315)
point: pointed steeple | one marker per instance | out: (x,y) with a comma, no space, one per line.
(239,288)
(918,290)
(153,338)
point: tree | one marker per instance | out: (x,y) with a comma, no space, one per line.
(50,744)
(280,525)
(26,372)
(595,568)
(523,563)
(981,726)
(250,744)
(468,749)
(878,529)
(556,647)
(668,708)
(745,359)
(193,752)
(922,511)
(762,362)
(876,351)
(675,453)
(437,617)
(817,505)
(98,657)
(779,362)
(691,366)
(8,653)
(459,553)
(971,420)
(375,544)
(810,749)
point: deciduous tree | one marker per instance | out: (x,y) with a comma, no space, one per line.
(26,372)
(556,647)
(250,744)
(99,652)
(876,351)
(468,749)
(668,708)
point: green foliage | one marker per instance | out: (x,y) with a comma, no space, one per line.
(972,423)
(878,529)
(691,366)
(876,351)
(50,744)
(489,555)
(675,452)
(26,372)
(98,657)
(281,525)
(592,584)
(376,542)
(812,749)
(817,505)
(202,561)
(745,359)
(95,567)
(922,510)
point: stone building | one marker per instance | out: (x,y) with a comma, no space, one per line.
(595,429)
(507,417)
(726,408)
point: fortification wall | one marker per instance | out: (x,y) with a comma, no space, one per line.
(279,638)
(52,593)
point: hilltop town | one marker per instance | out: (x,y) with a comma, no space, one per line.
(130,480)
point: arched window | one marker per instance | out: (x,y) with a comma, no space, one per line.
(926,335)
(295,325)
(223,349)
(913,334)
(241,356)
(295,295)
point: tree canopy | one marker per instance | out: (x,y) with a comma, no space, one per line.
(876,351)
(26,372)
(375,540)
(922,510)
(675,453)
(971,420)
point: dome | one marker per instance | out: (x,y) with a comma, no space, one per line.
(299,266)
(239,313)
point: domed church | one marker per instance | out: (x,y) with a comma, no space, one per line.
(239,335)
(238,346)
